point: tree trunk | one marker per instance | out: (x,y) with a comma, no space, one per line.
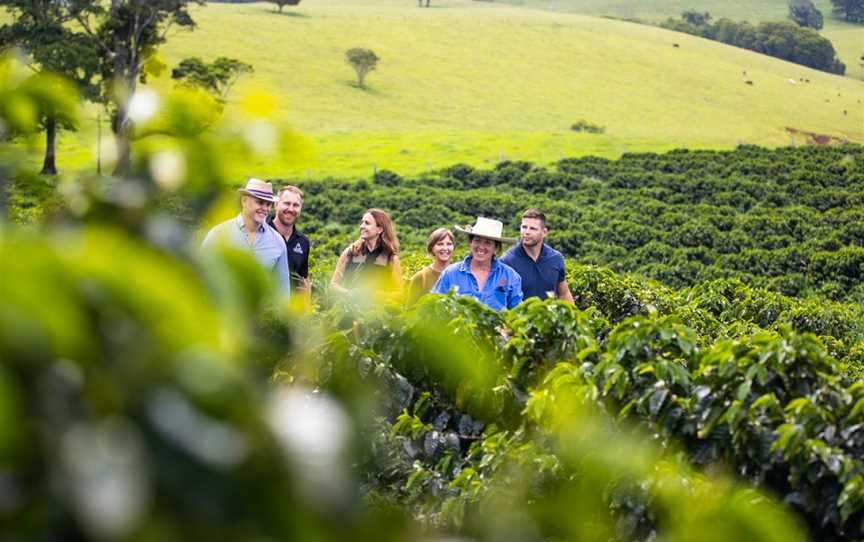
(123,68)
(121,139)
(49,165)
(122,125)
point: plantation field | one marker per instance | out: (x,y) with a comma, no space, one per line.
(727,401)
(479,82)
(848,39)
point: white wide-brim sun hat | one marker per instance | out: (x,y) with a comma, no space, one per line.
(488,228)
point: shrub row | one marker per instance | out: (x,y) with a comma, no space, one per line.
(773,405)
(789,220)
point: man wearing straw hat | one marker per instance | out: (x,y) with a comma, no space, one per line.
(481,275)
(249,230)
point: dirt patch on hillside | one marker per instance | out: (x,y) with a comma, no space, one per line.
(813,138)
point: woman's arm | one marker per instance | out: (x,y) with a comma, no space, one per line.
(339,272)
(396,270)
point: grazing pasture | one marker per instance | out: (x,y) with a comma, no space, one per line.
(848,39)
(479,82)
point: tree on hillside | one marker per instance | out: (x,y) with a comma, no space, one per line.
(696,18)
(39,29)
(128,33)
(363,61)
(282,3)
(800,45)
(216,78)
(804,13)
(851,10)
(780,39)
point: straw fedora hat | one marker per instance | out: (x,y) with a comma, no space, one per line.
(488,228)
(259,189)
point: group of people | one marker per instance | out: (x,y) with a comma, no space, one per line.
(531,268)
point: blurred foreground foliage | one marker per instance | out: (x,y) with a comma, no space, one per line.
(138,399)
(639,422)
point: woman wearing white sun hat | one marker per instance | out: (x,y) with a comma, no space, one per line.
(481,275)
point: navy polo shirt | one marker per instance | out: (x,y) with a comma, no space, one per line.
(298,254)
(540,277)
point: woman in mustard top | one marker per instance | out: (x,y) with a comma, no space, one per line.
(440,246)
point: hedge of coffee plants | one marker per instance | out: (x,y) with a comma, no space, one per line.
(787,220)
(480,398)
(150,392)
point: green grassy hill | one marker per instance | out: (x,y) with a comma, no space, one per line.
(477,82)
(750,10)
(848,39)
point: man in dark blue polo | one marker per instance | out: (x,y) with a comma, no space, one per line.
(289,207)
(540,266)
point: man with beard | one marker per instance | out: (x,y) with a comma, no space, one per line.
(289,206)
(540,266)
(249,231)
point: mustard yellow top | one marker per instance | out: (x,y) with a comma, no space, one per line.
(421,283)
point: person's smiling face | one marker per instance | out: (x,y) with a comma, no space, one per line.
(369,229)
(443,250)
(288,208)
(256,210)
(482,249)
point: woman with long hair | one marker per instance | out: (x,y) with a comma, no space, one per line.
(440,246)
(373,259)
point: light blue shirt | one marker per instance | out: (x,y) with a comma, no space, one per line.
(269,248)
(503,288)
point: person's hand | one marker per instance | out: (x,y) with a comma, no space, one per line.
(304,285)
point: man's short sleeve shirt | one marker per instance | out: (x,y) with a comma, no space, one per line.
(298,247)
(540,278)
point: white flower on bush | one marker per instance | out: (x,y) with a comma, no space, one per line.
(314,431)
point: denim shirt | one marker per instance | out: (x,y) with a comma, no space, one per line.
(269,248)
(503,288)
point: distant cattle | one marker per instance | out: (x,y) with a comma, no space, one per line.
(749,82)
(792,82)
(675,45)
